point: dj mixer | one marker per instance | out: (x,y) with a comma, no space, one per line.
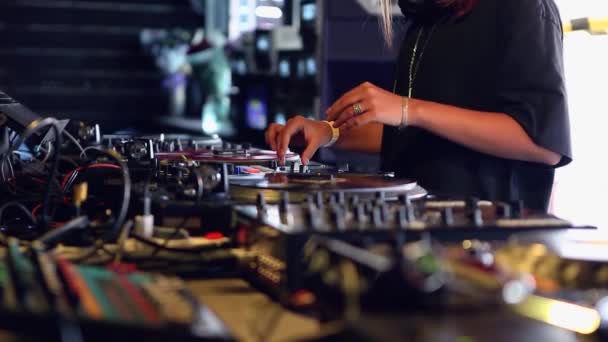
(322,240)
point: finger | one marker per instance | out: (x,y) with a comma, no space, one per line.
(358,121)
(349,113)
(284,137)
(272,136)
(346,100)
(309,152)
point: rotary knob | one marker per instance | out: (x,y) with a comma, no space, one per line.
(360,213)
(380,197)
(354,201)
(401,217)
(377,217)
(336,216)
(447,216)
(319,200)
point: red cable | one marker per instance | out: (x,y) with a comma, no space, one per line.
(67,177)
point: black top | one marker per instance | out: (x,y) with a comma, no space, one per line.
(506,56)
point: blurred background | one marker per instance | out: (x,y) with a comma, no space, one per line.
(232,67)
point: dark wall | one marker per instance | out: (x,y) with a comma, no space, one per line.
(82,58)
(354,50)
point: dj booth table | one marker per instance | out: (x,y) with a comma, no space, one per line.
(252,316)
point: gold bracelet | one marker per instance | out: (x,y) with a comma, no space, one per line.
(405,111)
(335,134)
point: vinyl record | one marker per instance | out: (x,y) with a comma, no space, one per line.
(252,157)
(301,185)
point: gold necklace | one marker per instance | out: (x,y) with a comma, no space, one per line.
(415,62)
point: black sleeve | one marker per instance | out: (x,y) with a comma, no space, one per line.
(531,83)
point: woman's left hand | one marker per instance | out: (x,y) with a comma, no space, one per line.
(375,104)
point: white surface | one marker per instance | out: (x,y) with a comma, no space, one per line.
(582,188)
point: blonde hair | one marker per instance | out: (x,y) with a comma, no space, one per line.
(387,20)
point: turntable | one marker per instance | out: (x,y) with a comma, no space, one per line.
(228,153)
(320,179)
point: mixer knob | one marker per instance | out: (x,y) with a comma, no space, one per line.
(274,165)
(340,198)
(410,211)
(380,197)
(354,201)
(377,217)
(447,215)
(310,200)
(503,210)
(405,199)
(360,213)
(179,145)
(284,203)
(384,211)
(319,200)
(401,217)
(337,218)
(246,146)
(209,147)
(476,217)
(292,168)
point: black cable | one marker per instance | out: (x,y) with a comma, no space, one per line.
(20,206)
(196,250)
(32,129)
(126,196)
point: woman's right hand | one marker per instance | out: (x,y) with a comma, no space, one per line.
(299,131)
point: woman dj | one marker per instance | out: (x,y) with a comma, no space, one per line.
(479,107)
